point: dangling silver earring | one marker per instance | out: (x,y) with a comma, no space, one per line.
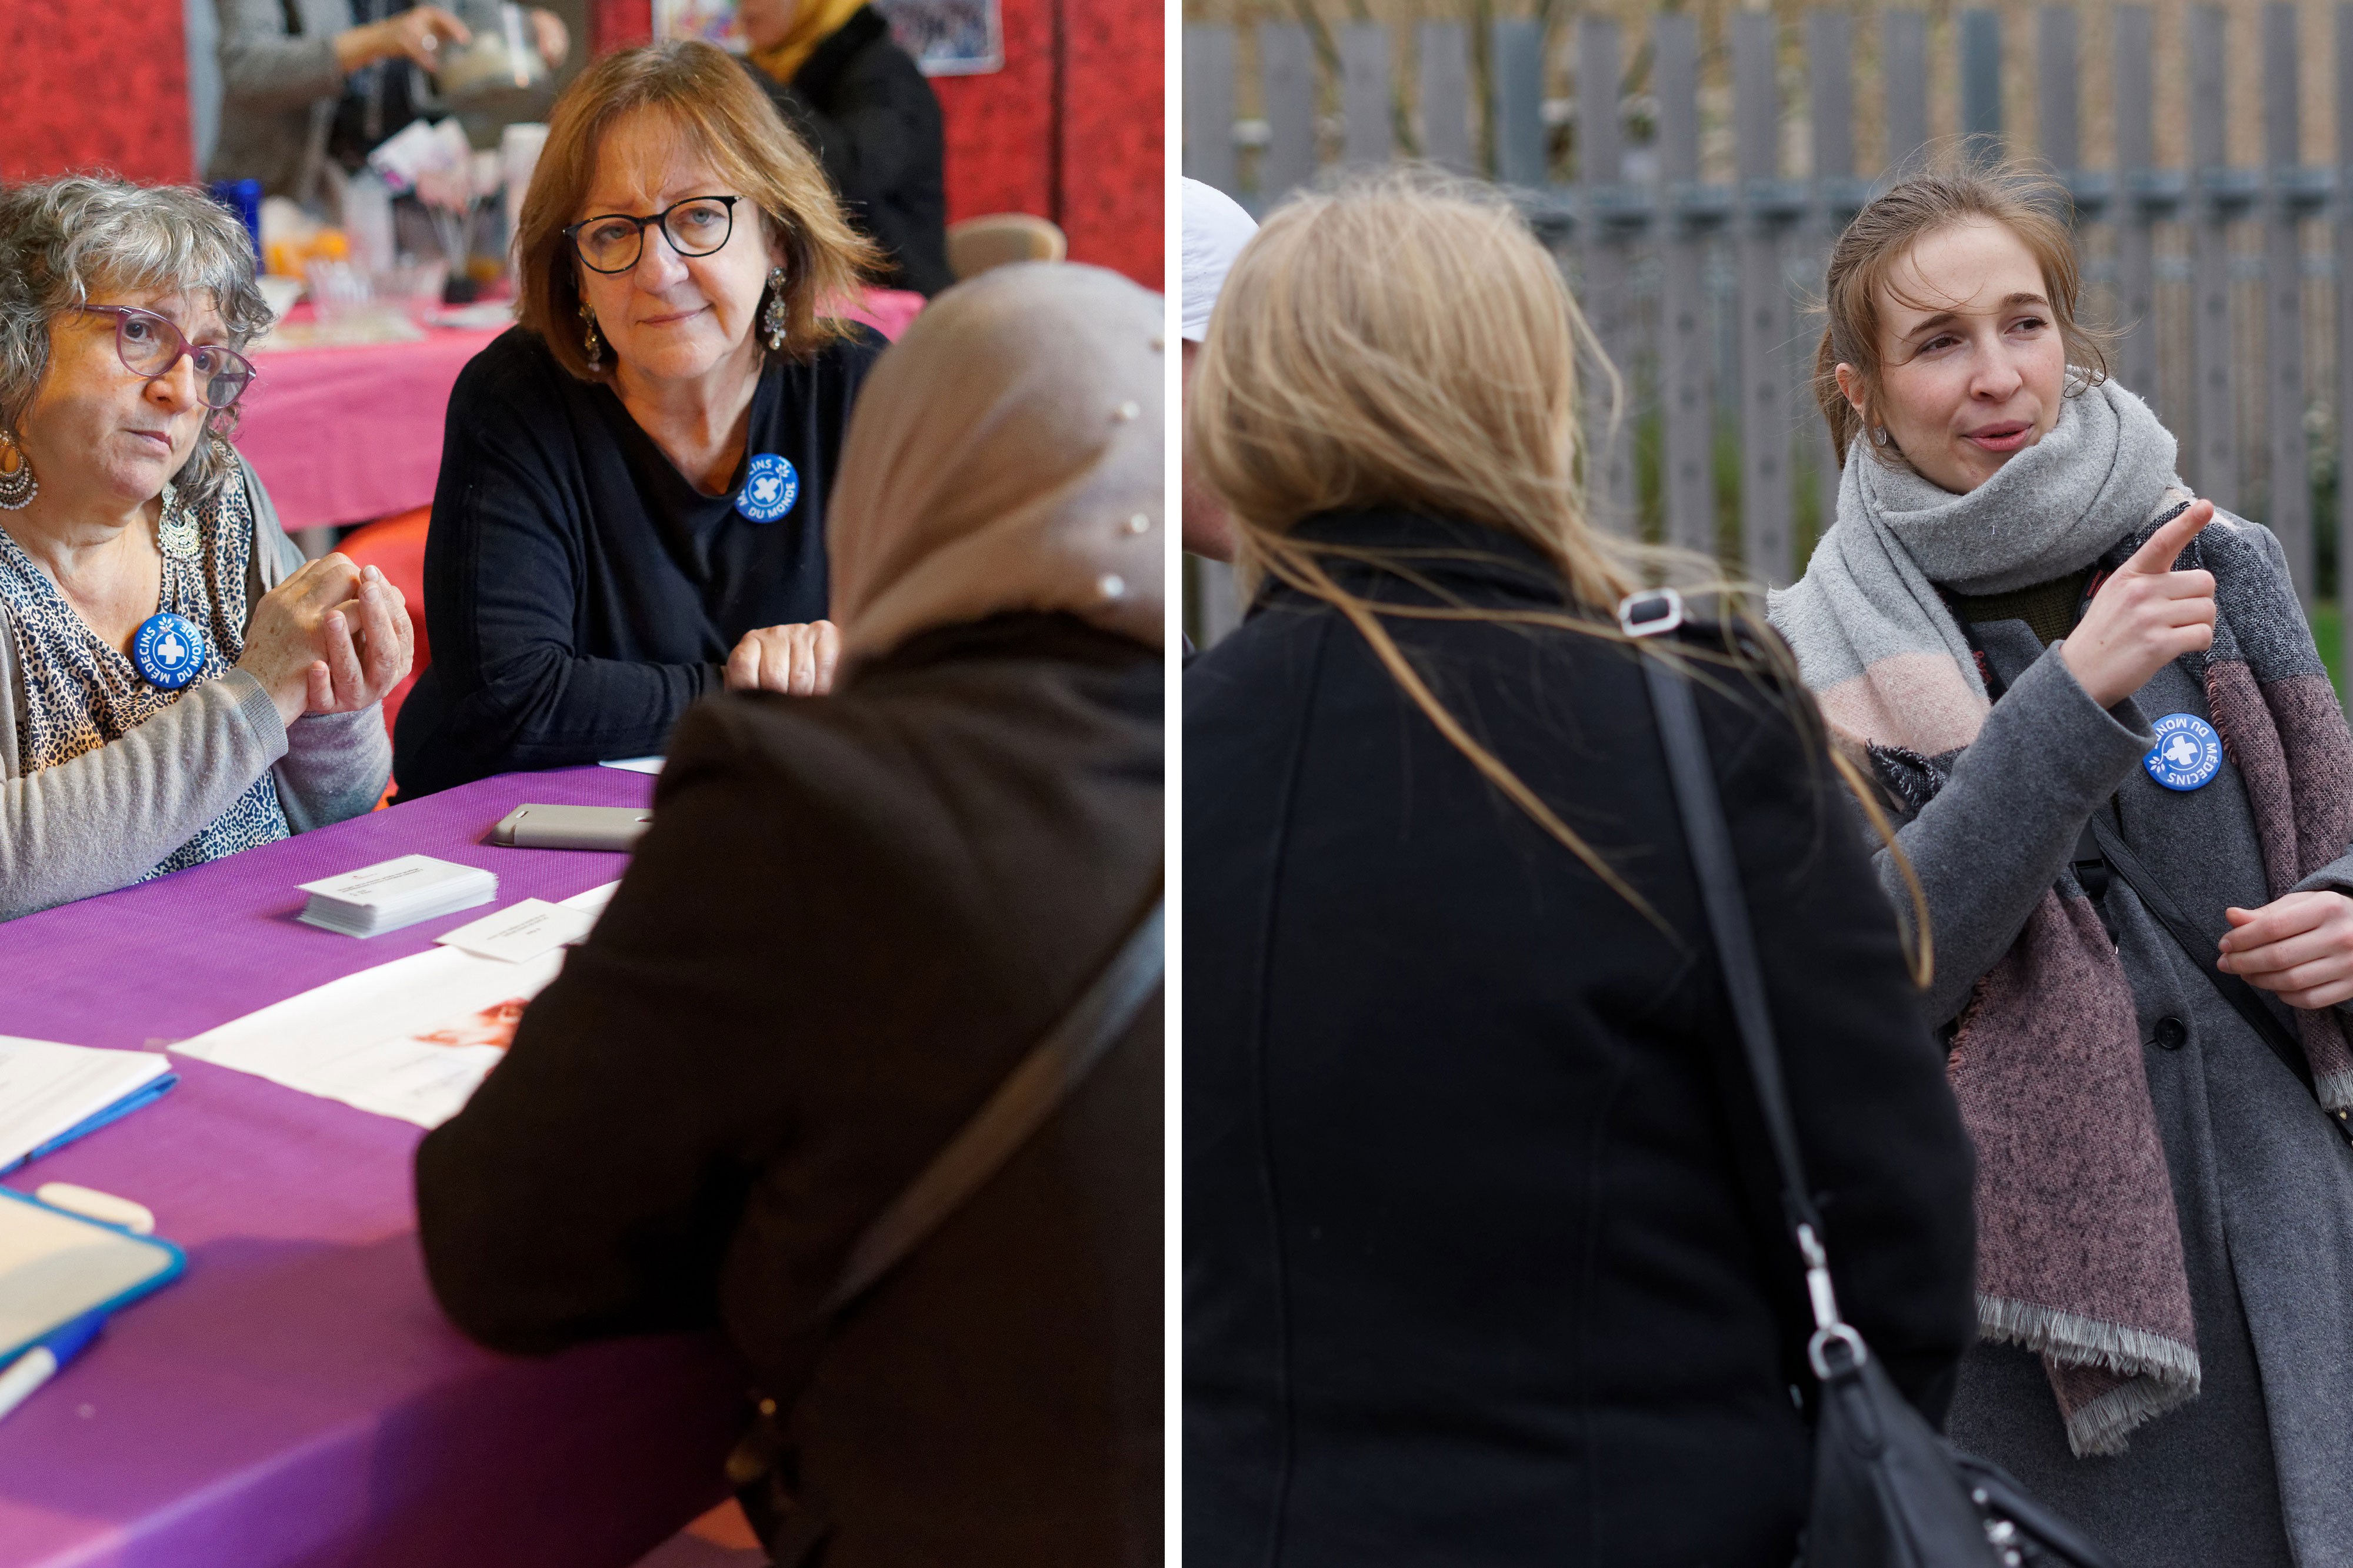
(595,345)
(775,319)
(1879,435)
(17,485)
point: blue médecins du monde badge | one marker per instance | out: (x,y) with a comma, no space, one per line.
(168,649)
(769,488)
(2188,752)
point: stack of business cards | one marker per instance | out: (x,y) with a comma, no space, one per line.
(395,893)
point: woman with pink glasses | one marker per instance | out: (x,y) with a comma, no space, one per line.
(176,684)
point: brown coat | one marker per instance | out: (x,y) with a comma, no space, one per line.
(852,916)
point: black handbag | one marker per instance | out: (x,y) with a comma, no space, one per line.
(1889,1491)
(764,1470)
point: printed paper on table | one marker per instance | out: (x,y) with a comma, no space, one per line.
(413,1038)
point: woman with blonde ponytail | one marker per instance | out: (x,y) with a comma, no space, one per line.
(1482,1261)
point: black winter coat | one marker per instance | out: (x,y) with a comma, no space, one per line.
(852,916)
(1483,1260)
(871,117)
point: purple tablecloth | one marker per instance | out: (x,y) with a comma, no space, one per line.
(296,1398)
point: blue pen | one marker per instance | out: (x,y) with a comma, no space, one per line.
(40,1363)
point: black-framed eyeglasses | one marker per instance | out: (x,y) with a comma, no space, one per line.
(149,345)
(612,242)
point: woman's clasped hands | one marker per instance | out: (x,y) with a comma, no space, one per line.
(333,637)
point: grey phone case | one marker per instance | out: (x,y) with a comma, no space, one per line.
(608,827)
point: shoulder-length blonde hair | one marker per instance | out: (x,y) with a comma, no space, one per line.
(713,102)
(1405,340)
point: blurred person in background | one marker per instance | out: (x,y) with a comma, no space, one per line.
(1215,230)
(2053,656)
(308,81)
(866,110)
(851,917)
(1483,1260)
(635,483)
(180,684)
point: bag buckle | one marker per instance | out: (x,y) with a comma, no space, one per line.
(1649,613)
(1818,1349)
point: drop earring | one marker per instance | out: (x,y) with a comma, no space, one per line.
(775,319)
(1879,435)
(595,344)
(17,485)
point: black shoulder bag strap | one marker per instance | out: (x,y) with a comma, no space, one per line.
(765,1469)
(2201,950)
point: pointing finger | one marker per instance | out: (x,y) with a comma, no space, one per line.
(2164,546)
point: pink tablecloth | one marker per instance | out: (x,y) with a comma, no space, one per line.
(351,434)
(296,1400)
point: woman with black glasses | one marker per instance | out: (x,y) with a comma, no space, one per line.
(634,483)
(176,684)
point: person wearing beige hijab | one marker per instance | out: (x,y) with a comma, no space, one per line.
(852,916)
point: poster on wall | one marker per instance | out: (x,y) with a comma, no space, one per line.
(713,21)
(947,38)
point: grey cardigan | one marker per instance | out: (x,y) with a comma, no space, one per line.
(108,816)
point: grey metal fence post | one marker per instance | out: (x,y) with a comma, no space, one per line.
(1365,93)
(1764,307)
(1517,62)
(1445,90)
(1209,107)
(1904,70)
(2214,453)
(1687,411)
(1980,33)
(2134,92)
(1286,69)
(1830,68)
(2289,505)
(1609,435)
(2056,81)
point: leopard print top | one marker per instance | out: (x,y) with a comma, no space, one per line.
(80,692)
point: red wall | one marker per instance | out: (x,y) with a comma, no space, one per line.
(1099,175)
(1087,155)
(93,84)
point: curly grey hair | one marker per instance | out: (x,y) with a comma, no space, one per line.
(66,241)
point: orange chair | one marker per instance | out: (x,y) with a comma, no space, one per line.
(395,547)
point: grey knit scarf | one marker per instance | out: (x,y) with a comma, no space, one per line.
(2079,1249)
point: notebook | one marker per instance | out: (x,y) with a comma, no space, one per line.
(55,1267)
(52,1094)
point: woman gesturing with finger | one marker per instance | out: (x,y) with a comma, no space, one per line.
(2125,786)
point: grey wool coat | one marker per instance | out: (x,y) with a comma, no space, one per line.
(108,816)
(2257,1471)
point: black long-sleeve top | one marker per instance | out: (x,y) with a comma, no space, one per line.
(1482,1262)
(580,591)
(867,112)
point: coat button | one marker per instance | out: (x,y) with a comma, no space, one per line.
(2172,1034)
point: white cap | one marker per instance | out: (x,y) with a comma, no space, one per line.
(1216,229)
